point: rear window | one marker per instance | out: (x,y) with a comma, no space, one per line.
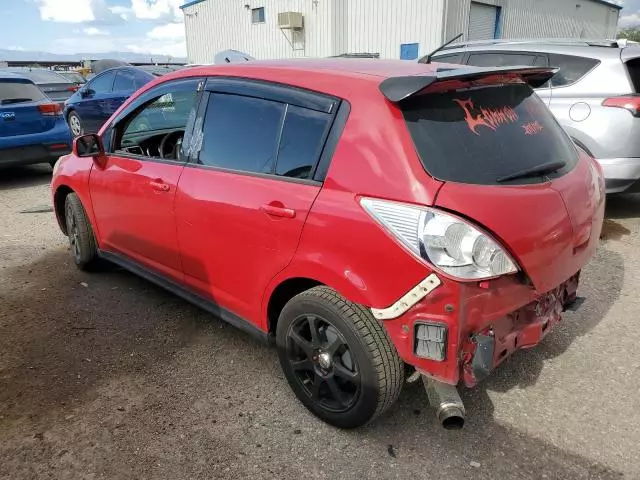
(479,135)
(43,76)
(633,66)
(18,92)
(500,59)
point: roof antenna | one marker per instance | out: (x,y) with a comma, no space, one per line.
(428,57)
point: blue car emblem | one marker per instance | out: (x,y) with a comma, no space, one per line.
(8,116)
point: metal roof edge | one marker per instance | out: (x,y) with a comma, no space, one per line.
(605,2)
(191,3)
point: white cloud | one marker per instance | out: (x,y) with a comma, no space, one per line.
(170,31)
(93,31)
(68,11)
(632,20)
(157,9)
(15,48)
(122,12)
(174,49)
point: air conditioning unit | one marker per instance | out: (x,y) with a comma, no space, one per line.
(290,20)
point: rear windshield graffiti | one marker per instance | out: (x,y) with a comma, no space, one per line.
(486,117)
(493,118)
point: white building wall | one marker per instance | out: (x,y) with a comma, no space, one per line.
(381,26)
(541,18)
(331,27)
(215,25)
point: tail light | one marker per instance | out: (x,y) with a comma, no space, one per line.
(73,89)
(50,109)
(628,102)
(448,243)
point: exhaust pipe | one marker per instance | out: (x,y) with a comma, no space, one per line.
(447,402)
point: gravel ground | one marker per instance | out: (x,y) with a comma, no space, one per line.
(104,376)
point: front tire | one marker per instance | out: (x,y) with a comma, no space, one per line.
(75,124)
(337,358)
(81,238)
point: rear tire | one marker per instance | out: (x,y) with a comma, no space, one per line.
(337,358)
(75,124)
(81,238)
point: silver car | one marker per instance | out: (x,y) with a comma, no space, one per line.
(595,95)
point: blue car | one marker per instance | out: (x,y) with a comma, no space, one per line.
(32,127)
(91,106)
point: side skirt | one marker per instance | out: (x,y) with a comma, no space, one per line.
(189,296)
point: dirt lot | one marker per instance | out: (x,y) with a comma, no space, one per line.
(106,376)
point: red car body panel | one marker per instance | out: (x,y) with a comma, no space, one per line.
(236,232)
(234,238)
(133,206)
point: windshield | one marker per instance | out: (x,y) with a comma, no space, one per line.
(483,135)
(41,75)
(73,76)
(18,92)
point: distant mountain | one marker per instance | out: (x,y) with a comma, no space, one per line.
(23,55)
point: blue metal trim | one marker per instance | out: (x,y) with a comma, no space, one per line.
(189,4)
(498,28)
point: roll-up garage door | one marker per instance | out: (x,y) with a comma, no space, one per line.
(482,21)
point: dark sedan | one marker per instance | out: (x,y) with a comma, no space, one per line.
(92,105)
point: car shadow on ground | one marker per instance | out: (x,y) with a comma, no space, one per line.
(24,176)
(66,334)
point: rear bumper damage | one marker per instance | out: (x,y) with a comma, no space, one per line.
(471,328)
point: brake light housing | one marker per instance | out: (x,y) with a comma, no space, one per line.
(445,241)
(50,109)
(628,102)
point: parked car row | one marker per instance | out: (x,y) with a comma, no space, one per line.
(40,107)
(595,95)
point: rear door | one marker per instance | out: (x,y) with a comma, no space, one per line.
(486,144)
(246,192)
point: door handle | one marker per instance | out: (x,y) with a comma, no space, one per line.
(159,185)
(278,211)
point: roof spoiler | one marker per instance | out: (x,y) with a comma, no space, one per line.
(396,89)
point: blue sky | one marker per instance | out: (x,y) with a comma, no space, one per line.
(141,26)
(72,26)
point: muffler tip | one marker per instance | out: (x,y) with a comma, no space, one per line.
(451,418)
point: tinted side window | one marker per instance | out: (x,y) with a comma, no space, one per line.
(241,133)
(302,139)
(500,59)
(572,68)
(102,83)
(455,58)
(141,79)
(124,81)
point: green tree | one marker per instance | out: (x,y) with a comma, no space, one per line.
(630,34)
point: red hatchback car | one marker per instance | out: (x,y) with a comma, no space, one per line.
(363,215)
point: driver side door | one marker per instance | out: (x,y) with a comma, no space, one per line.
(134,187)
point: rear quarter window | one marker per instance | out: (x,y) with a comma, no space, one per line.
(633,67)
(571,68)
(479,135)
(12,92)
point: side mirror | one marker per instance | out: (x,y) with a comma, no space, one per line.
(87,92)
(89,145)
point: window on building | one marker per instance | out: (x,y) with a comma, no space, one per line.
(571,68)
(257,15)
(501,59)
(302,139)
(241,133)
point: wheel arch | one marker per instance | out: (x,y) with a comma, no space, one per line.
(59,198)
(281,294)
